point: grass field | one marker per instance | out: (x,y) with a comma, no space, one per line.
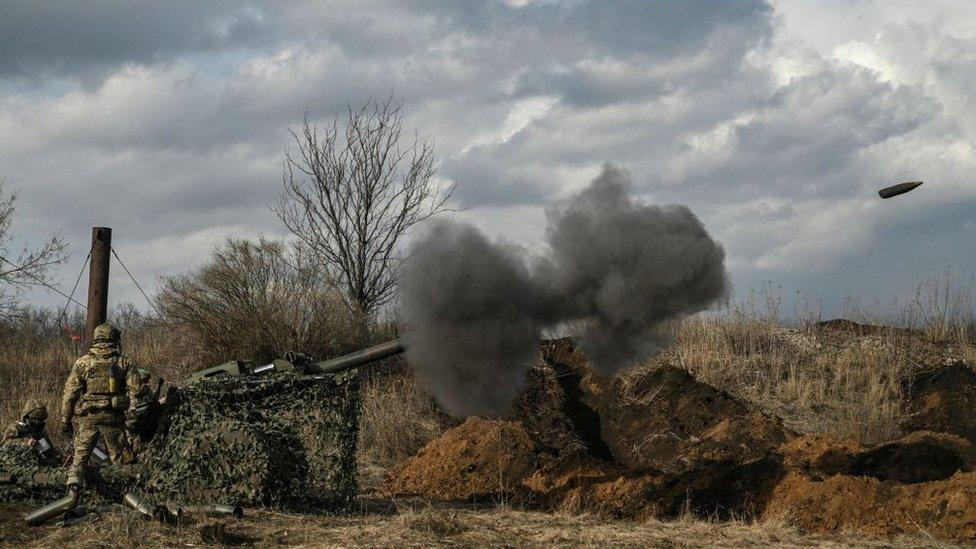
(775,366)
(416,524)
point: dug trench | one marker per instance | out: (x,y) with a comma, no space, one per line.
(659,444)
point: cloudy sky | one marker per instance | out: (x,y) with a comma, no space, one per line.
(776,122)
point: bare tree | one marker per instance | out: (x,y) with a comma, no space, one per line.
(30,266)
(351,193)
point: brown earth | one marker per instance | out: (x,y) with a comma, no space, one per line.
(944,400)
(918,457)
(666,420)
(679,446)
(558,406)
(946,508)
(585,484)
(478,460)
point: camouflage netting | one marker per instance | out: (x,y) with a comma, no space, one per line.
(39,482)
(281,441)
(36,482)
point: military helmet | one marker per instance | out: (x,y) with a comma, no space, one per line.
(34,410)
(106,333)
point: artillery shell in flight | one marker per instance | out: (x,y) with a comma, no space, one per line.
(898,189)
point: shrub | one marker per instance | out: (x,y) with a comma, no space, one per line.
(257,300)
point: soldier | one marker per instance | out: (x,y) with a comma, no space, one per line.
(31,429)
(99,393)
(140,421)
(31,422)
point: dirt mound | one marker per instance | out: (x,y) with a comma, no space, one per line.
(677,445)
(850,327)
(946,508)
(918,457)
(822,454)
(943,400)
(666,420)
(555,407)
(584,484)
(480,459)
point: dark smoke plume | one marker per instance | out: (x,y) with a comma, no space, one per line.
(474,309)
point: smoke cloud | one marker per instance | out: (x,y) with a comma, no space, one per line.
(474,309)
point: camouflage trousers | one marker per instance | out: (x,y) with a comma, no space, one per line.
(87,433)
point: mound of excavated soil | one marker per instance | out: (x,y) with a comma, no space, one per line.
(943,400)
(480,459)
(664,419)
(946,508)
(556,406)
(822,454)
(658,443)
(605,488)
(850,327)
(919,457)
(582,483)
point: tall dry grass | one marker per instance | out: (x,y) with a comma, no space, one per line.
(824,381)
(397,419)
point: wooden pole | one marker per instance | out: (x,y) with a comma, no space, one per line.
(101,254)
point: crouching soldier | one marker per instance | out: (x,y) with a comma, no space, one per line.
(98,396)
(143,415)
(30,429)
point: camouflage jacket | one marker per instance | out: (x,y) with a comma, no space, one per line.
(103,383)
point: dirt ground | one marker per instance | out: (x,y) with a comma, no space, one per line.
(419,524)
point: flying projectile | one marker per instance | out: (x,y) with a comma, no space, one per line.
(898,189)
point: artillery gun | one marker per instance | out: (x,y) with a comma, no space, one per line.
(299,364)
(240,427)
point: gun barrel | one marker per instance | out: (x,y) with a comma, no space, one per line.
(365,356)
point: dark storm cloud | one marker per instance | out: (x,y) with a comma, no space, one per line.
(49,38)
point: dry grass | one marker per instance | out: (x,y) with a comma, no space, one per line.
(396,420)
(850,385)
(424,525)
(36,355)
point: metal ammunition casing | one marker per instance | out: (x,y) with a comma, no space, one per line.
(898,189)
(53,509)
(212,509)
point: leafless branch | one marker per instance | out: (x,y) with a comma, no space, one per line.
(28,267)
(351,193)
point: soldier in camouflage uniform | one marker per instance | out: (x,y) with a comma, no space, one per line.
(139,423)
(31,423)
(99,395)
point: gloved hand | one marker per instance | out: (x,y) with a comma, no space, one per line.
(67,429)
